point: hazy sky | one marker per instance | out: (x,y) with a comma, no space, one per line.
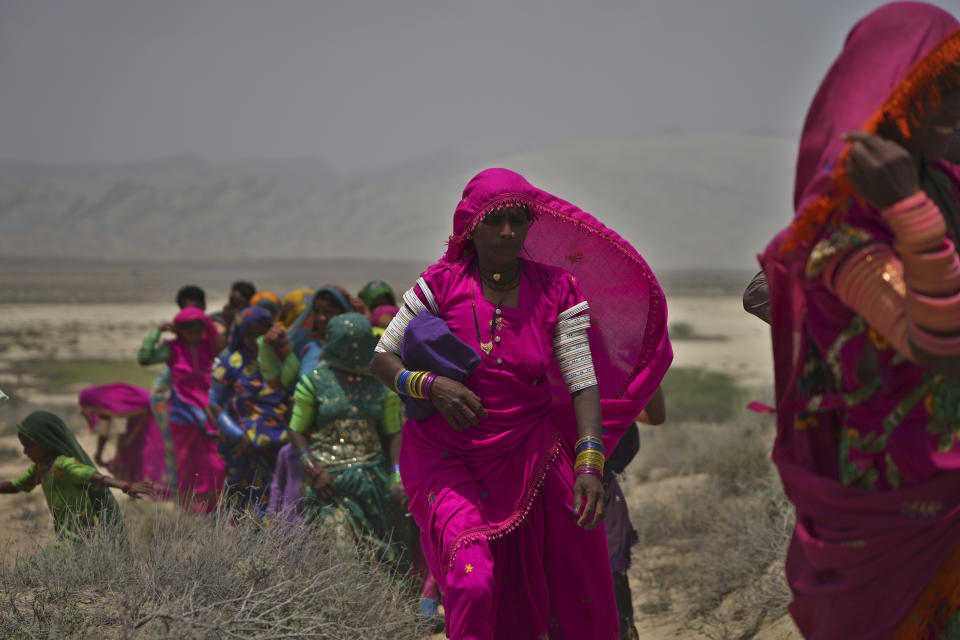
(367,83)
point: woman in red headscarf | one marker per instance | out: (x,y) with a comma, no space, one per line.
(865,317)
(503,476)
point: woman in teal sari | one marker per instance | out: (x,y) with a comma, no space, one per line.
(77,495)
(339,415)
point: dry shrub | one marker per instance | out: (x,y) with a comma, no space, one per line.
(172,575)
(726,518)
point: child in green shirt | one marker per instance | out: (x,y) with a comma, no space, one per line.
(77,495)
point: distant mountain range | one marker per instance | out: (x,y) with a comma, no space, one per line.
(686,202)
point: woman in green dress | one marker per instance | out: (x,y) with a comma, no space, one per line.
(340,415)
(77,495)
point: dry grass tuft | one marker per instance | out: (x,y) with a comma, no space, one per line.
(716,538)
(172,575)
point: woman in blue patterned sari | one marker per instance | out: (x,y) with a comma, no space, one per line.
(250,415)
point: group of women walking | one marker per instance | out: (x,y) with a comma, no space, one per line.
(485,400)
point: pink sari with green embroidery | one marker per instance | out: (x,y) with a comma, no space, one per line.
(867,454)
(494,502)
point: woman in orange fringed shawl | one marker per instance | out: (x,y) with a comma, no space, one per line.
(865,317)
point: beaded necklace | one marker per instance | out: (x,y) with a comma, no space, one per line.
(487,346)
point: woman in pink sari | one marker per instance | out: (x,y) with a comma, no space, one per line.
(190,356)
(140,448)
(865,318)
(509,529)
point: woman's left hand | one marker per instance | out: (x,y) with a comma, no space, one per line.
(882,171)
(142,489)
(398,495)
(588,499)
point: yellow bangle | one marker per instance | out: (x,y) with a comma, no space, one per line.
(590,455)
(415,384)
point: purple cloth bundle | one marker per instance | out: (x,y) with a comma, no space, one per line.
(429,345)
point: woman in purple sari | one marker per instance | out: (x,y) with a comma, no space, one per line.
(865,319)
(508,527)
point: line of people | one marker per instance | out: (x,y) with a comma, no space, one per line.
(270,410)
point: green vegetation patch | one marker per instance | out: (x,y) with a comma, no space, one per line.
(697,395)
(59,376)
(685,331)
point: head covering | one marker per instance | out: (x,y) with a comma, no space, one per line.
(293,305)
(193,386)
(117,398)
(302,329)
(628,356)
(350,343)
(373,290)
(268,301)
(193,314)
(381,311)
(49,431)
(244,320)
(893,68)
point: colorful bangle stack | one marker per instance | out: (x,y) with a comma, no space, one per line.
(306,460)
(395,476)
(590,456)
(931,272)
(415,384)
(916,222)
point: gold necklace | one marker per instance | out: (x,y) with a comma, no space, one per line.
(487,346)
(493,280)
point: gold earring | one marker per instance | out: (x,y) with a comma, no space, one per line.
(513,234)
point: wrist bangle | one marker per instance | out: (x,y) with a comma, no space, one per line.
(917,200)
(591,471)
(428,384)
(306,459)
(126,487)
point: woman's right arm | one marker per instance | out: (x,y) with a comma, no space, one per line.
(152,353)
(460,406)
(455,402)
(24,483)
(912,297)
(301,426)
(277,374)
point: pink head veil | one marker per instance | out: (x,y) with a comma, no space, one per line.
(116,398)
(630,357)
(193,386)
(892,70)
